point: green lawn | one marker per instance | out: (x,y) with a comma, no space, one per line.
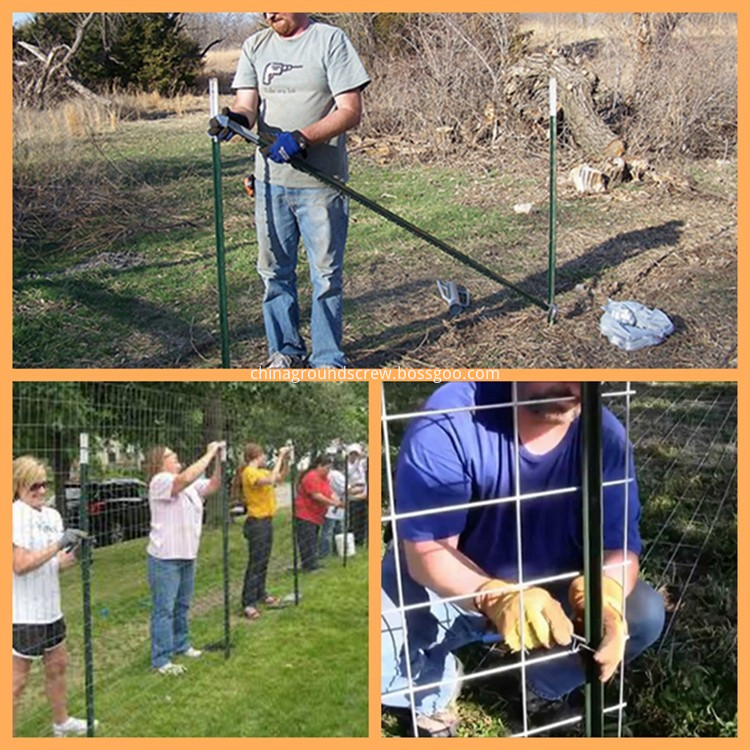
(114,260)
(299,671)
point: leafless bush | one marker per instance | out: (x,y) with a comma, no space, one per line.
(436,76)
(686,101)
(667,82)
(678,95)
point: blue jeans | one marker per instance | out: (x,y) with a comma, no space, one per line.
(325,542)
(172,583)
(436,631)
(320,216)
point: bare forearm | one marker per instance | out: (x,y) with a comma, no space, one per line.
(246,103)
(214,484)
(320,497)
(615,558)
(345,116)
(193,472)
(439,566)
(280,469)
(26,560)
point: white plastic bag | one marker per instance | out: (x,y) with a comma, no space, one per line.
(631,325)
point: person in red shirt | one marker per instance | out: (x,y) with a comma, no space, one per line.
(314,497)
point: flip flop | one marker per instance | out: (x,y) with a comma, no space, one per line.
(273,602)
(251,613)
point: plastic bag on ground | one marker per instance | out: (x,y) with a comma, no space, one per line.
(631,325)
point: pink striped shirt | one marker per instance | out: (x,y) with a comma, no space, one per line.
(176,520)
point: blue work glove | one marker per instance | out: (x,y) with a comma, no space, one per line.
(286,147)
(225,134)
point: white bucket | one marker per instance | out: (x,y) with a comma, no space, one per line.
(350,548)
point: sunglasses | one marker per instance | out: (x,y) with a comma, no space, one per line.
(37,486)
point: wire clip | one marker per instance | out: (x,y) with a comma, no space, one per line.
(579,642)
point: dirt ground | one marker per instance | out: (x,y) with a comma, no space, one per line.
(668,242)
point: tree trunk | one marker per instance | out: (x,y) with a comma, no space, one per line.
(528,90)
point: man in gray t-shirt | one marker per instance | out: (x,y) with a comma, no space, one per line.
(302,81)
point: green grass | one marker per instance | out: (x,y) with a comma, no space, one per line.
(299,671)
(114,256)
(115,261)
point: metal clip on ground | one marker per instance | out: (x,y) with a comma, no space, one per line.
(457,297)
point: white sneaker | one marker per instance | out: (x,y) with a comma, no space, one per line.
(193,653)
(71,726)
(171,669)
(279,361)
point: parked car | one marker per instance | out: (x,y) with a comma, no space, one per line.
(118,509)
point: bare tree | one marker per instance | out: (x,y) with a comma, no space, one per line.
(36,79)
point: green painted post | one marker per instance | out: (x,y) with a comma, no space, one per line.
(593,549)
(346,504)
(225,546)
(88,644)
(219,227)
(295,561)
(551,260)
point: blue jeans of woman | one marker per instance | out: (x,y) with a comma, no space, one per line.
(435,632)
(172,583)
(320,217)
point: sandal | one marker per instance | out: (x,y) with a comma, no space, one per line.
(272,602)
(251,613)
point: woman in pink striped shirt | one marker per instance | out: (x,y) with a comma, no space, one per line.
(176,498)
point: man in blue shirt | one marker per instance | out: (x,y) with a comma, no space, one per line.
(467,466)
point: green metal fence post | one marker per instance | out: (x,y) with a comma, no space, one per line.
(593,552)
(219,227)
(346,504)
(551,261)
(88,645)
(295,562)
(225,546)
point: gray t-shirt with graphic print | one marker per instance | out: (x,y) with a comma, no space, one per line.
(297,79)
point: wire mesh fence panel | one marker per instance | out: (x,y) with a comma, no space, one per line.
(690,555)
(178,553)
(460,502)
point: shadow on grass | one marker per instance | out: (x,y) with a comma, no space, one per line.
(140,314)
(591,265)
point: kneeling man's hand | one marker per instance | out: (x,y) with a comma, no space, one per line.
(544,621)
(612,648)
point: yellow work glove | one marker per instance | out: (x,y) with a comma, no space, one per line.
(545,622)
(615,629)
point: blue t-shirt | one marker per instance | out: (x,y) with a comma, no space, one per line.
(451,459)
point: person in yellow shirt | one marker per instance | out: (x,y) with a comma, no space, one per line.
(256,483)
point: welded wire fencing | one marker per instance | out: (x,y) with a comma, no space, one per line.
(198,558)
(666,506)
